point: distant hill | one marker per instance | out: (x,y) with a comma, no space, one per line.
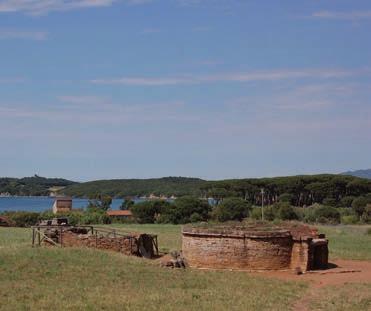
(300,190)
(32,186)
(359,173)
(168,186)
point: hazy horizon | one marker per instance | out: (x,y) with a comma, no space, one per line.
(155,177)
(212,89)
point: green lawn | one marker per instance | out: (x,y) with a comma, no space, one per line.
(88,279)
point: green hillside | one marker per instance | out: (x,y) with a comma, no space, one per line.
(168,186)
(299,190)
(31,186)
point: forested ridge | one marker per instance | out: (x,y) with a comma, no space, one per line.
(298,190)
(31,186)
(302,190)
(177,186)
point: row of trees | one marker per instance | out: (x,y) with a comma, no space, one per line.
(186,210)
(119,188)
(298,190)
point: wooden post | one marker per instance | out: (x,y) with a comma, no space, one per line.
(61,237)
(96,238)
(33,237)
(38,236)
(156,246)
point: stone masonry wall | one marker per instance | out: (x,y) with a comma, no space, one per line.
(301,255)
(236,252)
(118,244)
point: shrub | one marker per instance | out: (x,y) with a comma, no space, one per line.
(231,209)
(256,213)
(309,214)
(329,202)
(90,218)
(286,197)
(23,219)
(269,213)
(300,212)
(147,211)
(285,211)
(184,207)
(195,217)
(347,201)
(349,219)
(327,214)
(366,216)
(359,205)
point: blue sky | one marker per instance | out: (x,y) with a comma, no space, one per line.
(93,89)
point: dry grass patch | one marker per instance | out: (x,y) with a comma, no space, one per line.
(350,297)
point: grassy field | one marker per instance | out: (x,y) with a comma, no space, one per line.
(88,279)
(349,297)
(348,242)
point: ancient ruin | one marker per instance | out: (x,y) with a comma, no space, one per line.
(255,247)
(137,244)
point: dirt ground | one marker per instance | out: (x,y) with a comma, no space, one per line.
(339,273)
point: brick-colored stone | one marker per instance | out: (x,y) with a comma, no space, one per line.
(251,250)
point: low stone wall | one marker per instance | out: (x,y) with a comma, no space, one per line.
(247,251)
(236,248)
(127,246)
(142,245)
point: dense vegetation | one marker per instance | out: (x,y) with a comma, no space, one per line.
(31,186)
(298,190)
(168,186)
(317,198)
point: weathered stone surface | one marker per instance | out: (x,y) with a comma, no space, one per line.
(119,244)
(232,248)
(135,244)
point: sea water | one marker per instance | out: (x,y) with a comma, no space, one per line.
(40,204)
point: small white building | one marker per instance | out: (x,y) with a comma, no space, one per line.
(62,205)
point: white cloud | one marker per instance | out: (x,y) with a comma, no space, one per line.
(39,7)
(23,34)
(352,15)
(232,77)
